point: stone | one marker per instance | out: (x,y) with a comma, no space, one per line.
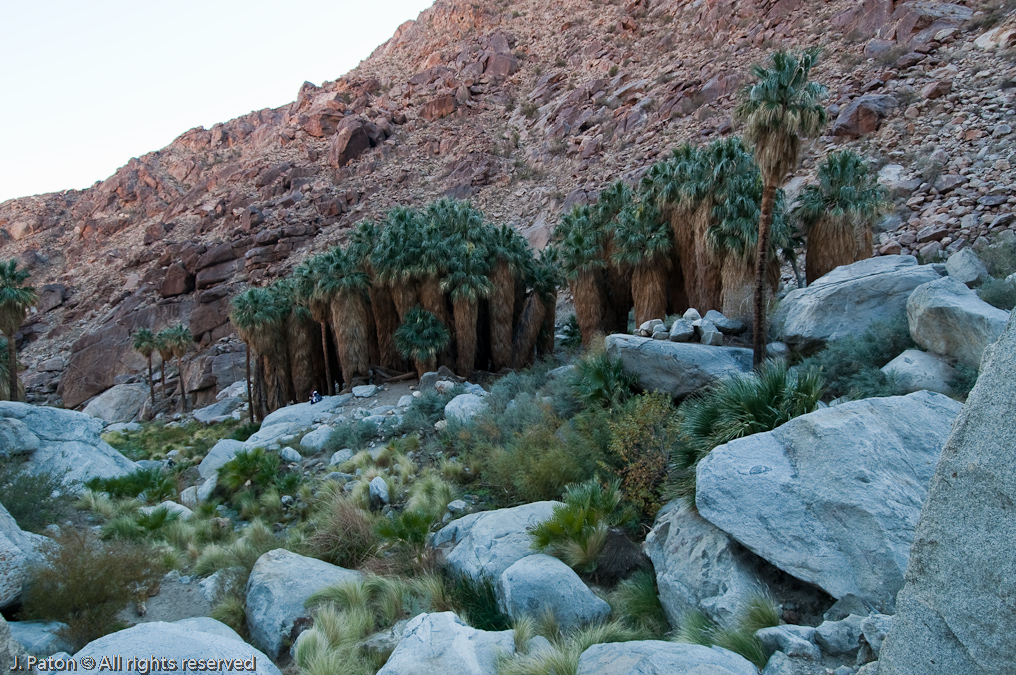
(540,584)
(176,642)
(916,370)
(221,452)
(489,542)
(708,333)
(404,401)
(698,566)
(40,638)
(290,455)
(378,490)
(277,589)
(777,350)
(438,107)
(682,331)
(365,391)
(790,642)
(832,497)
(181,512)
(348,144)
(965,267)
(840,637)
(443,643)
(315,440)
(120,403)
(676,368)
(444,387)
(176,281)
(845,606)
(848,299)
(16,438)
(691,315)
(10,650)
(779,664)
(428,380)
(306,414)
(464,407)
(948,318)
(934,90)
(949,182)
(651,657)
(53,365)
(864,115)
(933,232)
(562,371)
(661,333)
(51,296)
(340,457)
(875,628)
(725,325)
(954,613)
(273,435)
(649,327)
(457,507)
(14,564)
(220,411)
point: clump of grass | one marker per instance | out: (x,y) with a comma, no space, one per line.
(636,602)
(760,611)
(139,525)
(191,439)
(343,533)
(149,486)
(563,657)
(963,381)
(254,480)
(430,494)
(476,602)
(600,380)
(33,500)
(354,435)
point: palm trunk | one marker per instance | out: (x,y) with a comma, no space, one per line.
(428,366)
(386,321)
(151,381)
(545,343)
(329,380)
(404,297)
(301,366)
(183,392)
(162,373)
(349,321)
(250,398)
(502,311)
(618,294)
(465,311)
(527,331)
(684,244)
(764,226)
(831,243)
(588,306)
(12,352)
(708,282)
(738,276)
(649,290)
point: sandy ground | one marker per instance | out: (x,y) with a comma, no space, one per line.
(175,601)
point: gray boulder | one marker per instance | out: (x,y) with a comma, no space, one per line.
(16,438)
(219,411)
(272,436)
(277,589)
(307,414)
(682,331)
(69,443)
(290,455)
(796,641)
(698,566)
(315,440)
(708,333)
(652,657)
(204,624)
(40,638)
(875,628)
(965,267)
(490,542)
(832,497)
(120,403)
(676,368)
(378,490)
(175,643)
(442,643)
(18,550)
(726,326)
(955,613)
(948,318)
(540,584)
(840,637)
(848,299)
(10,650)
(220,454)
(464,407)
(916,370)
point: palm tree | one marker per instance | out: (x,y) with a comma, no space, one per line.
(257,316)
(467,282)
(538,313)
(510,252)
(838,213)
(582,261)
(364,247)
(180,342)
(777,111)
(421,337)
(399,245)
(165,349)
(305,278)
(16,298)
(346,284)
(642,242)
(300,346)
(4,379)
(144,343)
(617,287)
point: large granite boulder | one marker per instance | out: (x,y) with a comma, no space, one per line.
(955,612)
(948,318)
(219,411)
(488,543)
(832,497)
(307,414)
(652,657)
(121,403)
(698,566)
(218,456)
(40,638)
(68,443)
(10,651)
(915,370)
(677,368)
(442,643)
(541,584)
(965,267)
(180,644)
(849,299)
(278,586)
(464,407)
(18,550)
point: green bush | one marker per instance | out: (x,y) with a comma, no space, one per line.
(150,486)
(353,435)
(600,380)
(85,583)
(139,525)
(33,500)
(999,258)
(963,380)
(636,602)
(421,416)
(343,533)
(255,479)
(851,366)
(191,439)
(642,435)
(735,408)
(999,293)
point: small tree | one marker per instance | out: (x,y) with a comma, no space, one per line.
(421,337)
(180,342)
(16,298)
(163,345)
(144,343)
(257,317)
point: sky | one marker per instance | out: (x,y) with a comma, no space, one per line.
(85,86)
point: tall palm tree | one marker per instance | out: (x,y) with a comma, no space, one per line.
(643,243)
(779,109)
(509,252)
(300,344)
(467,282)
(143,342)
(180,342)
(346,284)
(617,287)
(395,259)
(16,298)
(364,246)
(4,379)
(582,261)
(257,316)
(838,213)
(421,337)
(305,278)
(165,349)
(538,314)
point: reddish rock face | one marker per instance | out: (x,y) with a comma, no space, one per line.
(177,281)
(438,107)
(216,274)
(863,116)
(347,145)
(500,65)
(208,316)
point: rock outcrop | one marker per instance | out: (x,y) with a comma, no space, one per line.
(10,650)
(655,656)
(540,584)
(676,368)
(443,643)
(948,318)
(120,403)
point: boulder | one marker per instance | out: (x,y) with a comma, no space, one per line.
(875,628)
(347,145)
(948,318)
(955,613)
(540,584)
(306,414)
(176,281)
(796,641)
(40,638)
(676,368)
(438,107)
(182,512)
(220,411)
(649,657)
(273,435)
(832,497)
(464,407)
(682,331)
(204,624)
(442,643)
(726,326)
(13,565)
(965,267)
(290,455)
(364,391)
(864,115)
(16,438)
(849,299)
(69,443)
(176,643)
(698,567)
(120,403)
(315,440)
(10,650)
(277,589)
(916,370)
(221,452)
(840,637)
(488,543)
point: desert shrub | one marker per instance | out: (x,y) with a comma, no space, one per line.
(353,435)
(513,385)
(636,602)
(33,500)
(963,380)
(600,380)
(735,408)
(642,434)
(244,431)
(150,486)
(475,601)
(252,474)
(84,583)
(154,440)
(760,611)
(851,365)
(139,525)
(999,293)
(425,411)
(232,611)
(343,533)
(999,258)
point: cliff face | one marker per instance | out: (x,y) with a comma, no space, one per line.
(524,107)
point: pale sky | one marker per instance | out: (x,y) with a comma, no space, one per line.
(86,85)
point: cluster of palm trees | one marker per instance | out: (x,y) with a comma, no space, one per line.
(171,342)
(425,287)
(16,299)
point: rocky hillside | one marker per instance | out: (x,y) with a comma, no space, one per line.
(524,107)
